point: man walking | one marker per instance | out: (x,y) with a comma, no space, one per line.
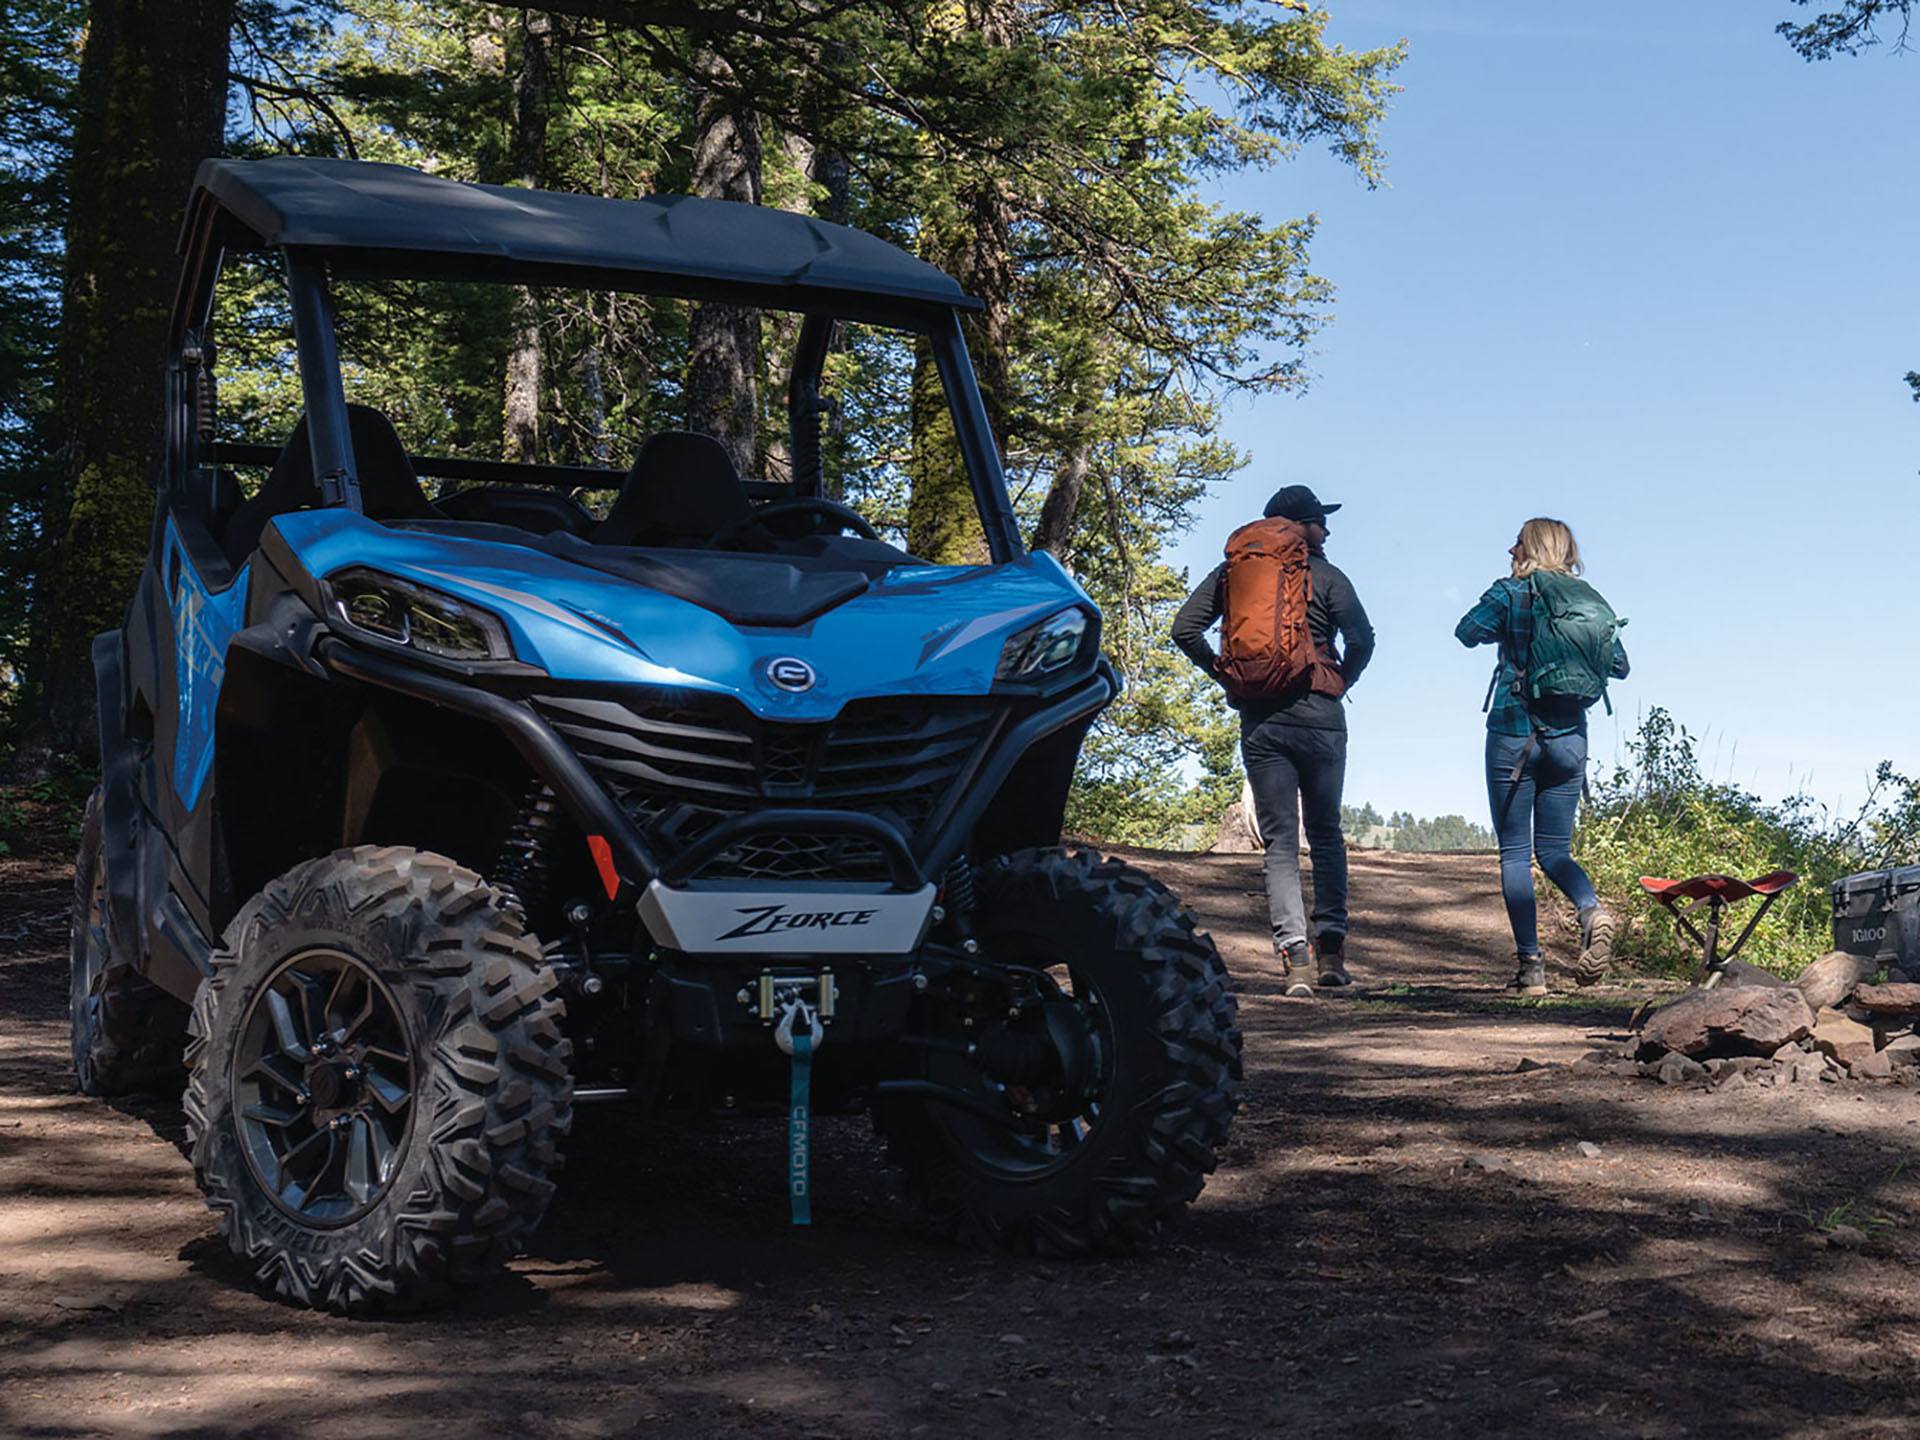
(1284,676)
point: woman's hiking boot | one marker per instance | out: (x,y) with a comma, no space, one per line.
(1531,976)
(1294,961)
(1596,946)
(1333,961)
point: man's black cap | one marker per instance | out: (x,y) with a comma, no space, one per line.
(1297,502)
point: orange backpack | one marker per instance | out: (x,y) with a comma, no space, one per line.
(1266,650)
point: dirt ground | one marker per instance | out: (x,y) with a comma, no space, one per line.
(1405,1239)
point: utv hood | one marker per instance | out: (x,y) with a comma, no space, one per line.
(912,630)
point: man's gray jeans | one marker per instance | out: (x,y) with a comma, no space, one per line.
(1291,768)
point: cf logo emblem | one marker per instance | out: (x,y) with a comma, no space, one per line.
(790,673)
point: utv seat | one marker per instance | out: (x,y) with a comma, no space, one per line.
(389,489)
(681,490)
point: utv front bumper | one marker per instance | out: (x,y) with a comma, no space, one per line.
(745,873)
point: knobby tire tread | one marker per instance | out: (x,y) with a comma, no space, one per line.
(1180,1109)
(493,1092)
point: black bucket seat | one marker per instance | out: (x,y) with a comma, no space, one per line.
(681,491)
(389,488)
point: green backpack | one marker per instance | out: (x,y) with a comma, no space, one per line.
(1571,656)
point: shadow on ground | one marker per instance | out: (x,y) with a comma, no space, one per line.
(1405,1239)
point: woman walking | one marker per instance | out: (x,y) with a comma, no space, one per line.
(1558,648)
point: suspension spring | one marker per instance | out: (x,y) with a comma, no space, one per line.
(520,869)
(957,889)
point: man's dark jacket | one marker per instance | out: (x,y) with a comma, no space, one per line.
(1334,609)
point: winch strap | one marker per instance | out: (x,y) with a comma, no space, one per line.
(800,1129)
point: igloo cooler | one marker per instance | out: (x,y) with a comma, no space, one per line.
(1877,914)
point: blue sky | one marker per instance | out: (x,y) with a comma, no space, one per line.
(1645,270)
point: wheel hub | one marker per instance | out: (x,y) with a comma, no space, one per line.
(332,1085)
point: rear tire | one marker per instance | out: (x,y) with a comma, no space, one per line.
(390,1003)
(128,1034)
(1162,1007)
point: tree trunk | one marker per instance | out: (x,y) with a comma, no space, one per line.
(1054,531)
(150,106)
(723,369)
(782,327)
(532,83)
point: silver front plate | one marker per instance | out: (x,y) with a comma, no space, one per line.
(794,920)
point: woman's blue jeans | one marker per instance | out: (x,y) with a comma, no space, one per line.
(1533,818)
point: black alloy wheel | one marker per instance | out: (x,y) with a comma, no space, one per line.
(323,1087)
(1060,1037)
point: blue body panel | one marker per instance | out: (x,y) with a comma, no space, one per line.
(919,630)
(203,623)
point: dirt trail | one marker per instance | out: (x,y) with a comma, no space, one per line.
(1344,1275)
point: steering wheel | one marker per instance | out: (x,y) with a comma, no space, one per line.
(846,516)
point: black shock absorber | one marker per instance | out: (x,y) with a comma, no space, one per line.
(956,896)
(520,869)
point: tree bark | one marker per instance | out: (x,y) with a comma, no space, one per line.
(723,369)
(1055,529)
(150,106)
(532,83)
(782,328)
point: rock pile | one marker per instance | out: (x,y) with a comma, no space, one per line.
(1831,1024)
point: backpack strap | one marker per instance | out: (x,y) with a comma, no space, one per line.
(1523,655)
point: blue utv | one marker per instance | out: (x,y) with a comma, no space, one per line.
(429,812)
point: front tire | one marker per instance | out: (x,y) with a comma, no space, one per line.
(378,1082)
(128,1034)
(1156,1000)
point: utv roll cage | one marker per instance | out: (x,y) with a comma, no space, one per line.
(358,220)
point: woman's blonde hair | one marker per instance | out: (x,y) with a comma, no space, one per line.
(1546,545)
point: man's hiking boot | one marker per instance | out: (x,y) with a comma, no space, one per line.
(1530,978)
(1333,961)
(1293,969)
(1596,946)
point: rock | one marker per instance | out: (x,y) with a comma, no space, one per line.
(1727,1020)
(1594,1060)
(1678,1070)
(1902,1050)
(1831,978)
(1845,1040)
(1888,999)
(1588,1149)
(1528,1064)
(1847,1237)
(84,1302)
(1489,1164)
(1877,1066)
(1745,972)
(1239,827)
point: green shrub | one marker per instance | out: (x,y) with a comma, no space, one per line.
(1660,814)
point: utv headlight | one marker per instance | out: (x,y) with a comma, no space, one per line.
(1040,650)
(399,612)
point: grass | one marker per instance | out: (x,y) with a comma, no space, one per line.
(1855,1214)
(1662,814)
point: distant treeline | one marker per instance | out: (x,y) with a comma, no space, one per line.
(1403,831)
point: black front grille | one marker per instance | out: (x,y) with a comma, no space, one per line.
(680,769)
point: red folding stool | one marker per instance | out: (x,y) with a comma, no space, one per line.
(1718,893)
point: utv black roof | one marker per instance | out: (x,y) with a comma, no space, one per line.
(396,221)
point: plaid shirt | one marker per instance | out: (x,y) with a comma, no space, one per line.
(1500,618)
